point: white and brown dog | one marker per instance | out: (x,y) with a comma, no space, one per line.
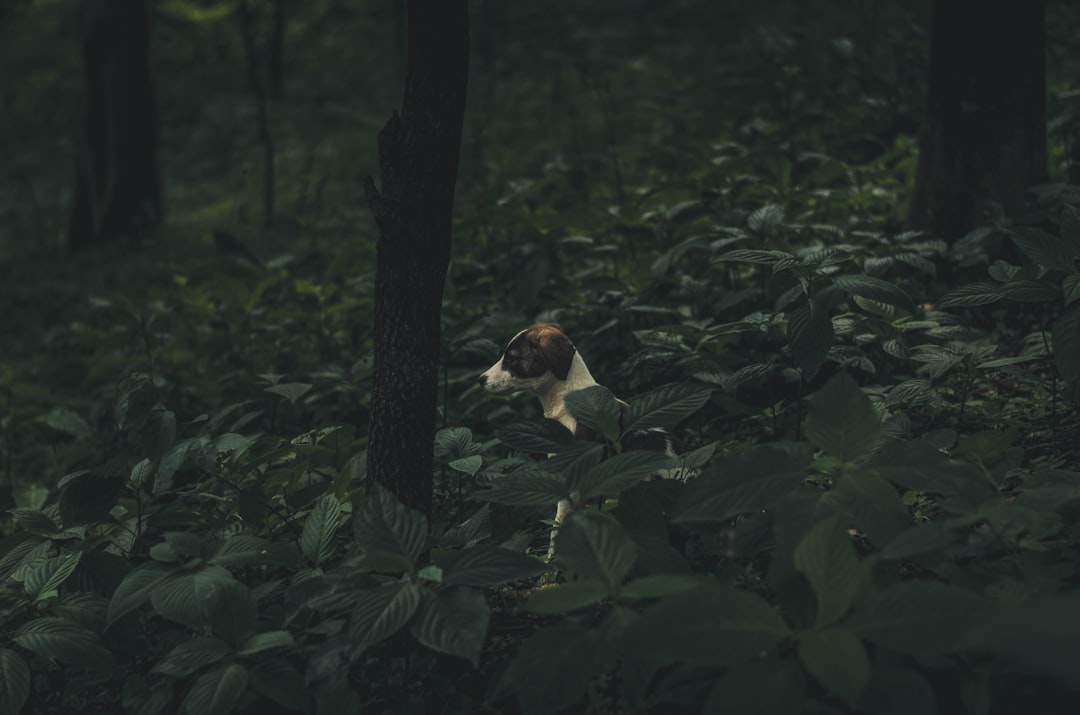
(541,359)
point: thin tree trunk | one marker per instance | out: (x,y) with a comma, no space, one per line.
(418,160)
(118,181)
(262,111)
(984,132)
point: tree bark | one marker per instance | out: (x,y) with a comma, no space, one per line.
(984,131)
(118,181)
(418,160)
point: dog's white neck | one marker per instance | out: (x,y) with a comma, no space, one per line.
(553,399)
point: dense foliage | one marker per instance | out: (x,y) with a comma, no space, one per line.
(884,517)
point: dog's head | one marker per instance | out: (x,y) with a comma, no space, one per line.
(534,358)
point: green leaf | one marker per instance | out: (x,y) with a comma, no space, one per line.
(320,528)
(827,558)
(917,616)
(467,465)
(551,670)
(1071,288)
(841,420)
(527,488)
(245,550)
(60,568)
(159,432)
(765,219)
(1040,635)
(875,289)
(34,521)
(381,612)
(972,294)
(454,621)
(67,421)
(1066,341)
(1044,249)
(267,640)
(61,639)
(595,546)
(619,472)
(742,484)
(708,626)
(746,255)
(191,656)
(539,437)
(897,692)
(487,566)
(385,524)
(597,408)
(180,597)
(837,658)
(659,585)
(14,682)
(217,692)
(873,505)
(568,596)
(810,335)
(453,443)
(136,588)
(291,391)
(230,610)
(666,406)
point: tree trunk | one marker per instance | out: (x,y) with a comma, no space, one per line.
(118,182)
(984,131)
(418,160)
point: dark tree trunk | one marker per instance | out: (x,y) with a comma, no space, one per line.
(984,132)
(118,182)
(418,160)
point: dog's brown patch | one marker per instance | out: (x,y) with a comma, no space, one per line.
(538,349)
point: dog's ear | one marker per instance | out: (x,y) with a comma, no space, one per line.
(558,352)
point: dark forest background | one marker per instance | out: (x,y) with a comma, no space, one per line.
(245,461)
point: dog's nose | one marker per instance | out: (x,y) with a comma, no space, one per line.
(482,380)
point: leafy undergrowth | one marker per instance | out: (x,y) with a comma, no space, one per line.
(883,516)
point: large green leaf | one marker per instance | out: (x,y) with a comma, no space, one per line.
(872,503)
(538,437)
(837,658)
(666,406)
(810,335)
(217,692)
(551,670)
(1066,340)
(44,582)
(14,682)
(619,472)
(488,566)
(972,294)
(231,611)
(530,487)
(1040,635)
(1048,251)
(181,596)
(381,612)
(841,420)
(827,558)
(708,626)
(385,524)
(597,408)
(320,528)
(136,588)
(453,621)
(594,546)
(743,484)
(568,596)
(875,289)
(61,639)
(191,656)
(267,640)
(917,616)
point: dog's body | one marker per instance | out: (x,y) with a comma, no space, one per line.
(541,359)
